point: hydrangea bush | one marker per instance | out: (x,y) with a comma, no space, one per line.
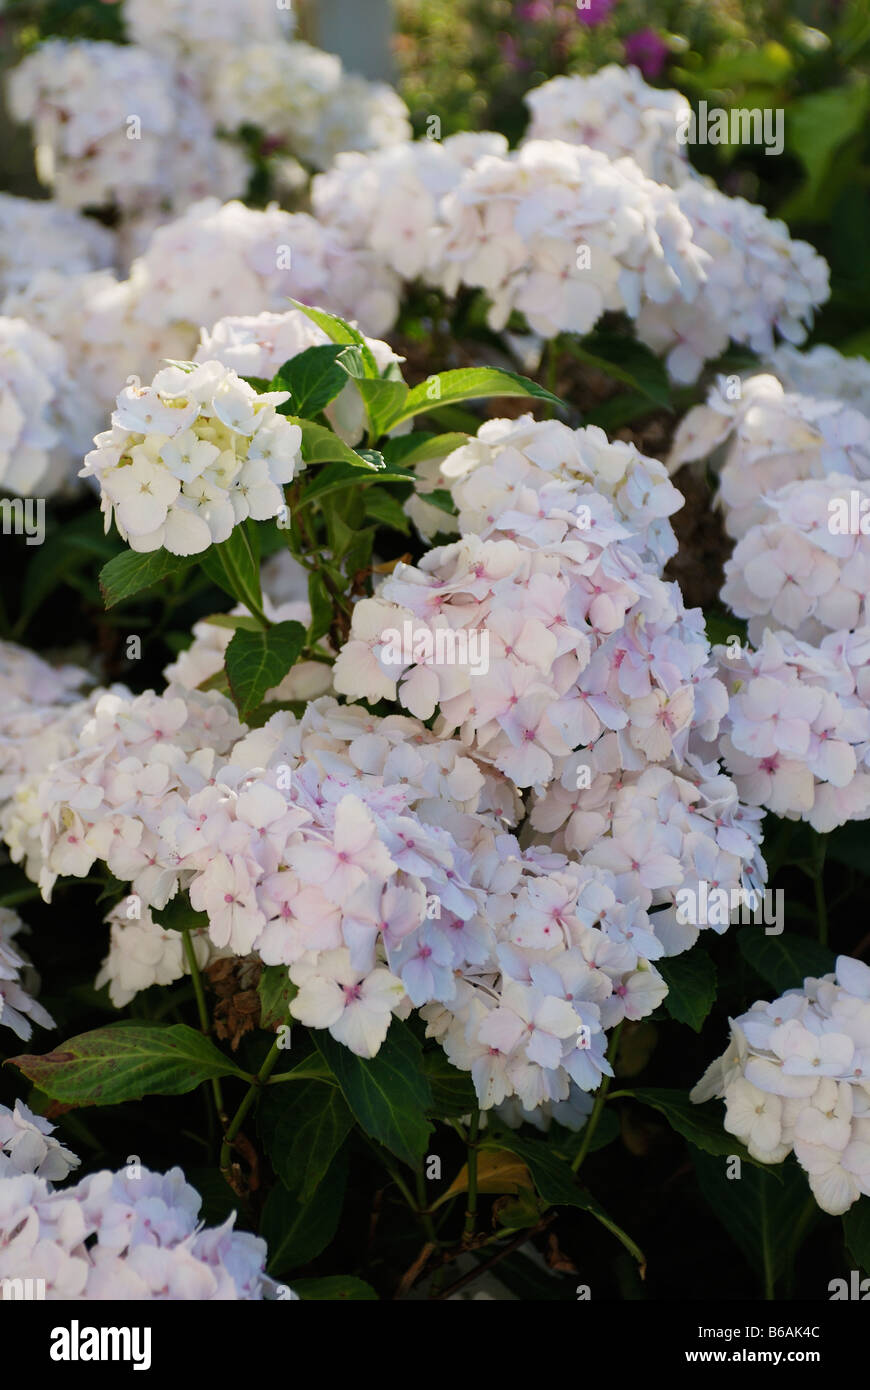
(377,798)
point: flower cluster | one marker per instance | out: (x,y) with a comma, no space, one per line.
(36,236)
(823,372)
(549,628)
(302,99)
(795,1079)
(40,707)
(131,1235)
(389,202)
(204,34)
(220,260)
(191,456)
(804,568)
(796,738)
(18,1009)
(27,1146)
(116,125)
(142,953)
(774,437)
(758,283)
(562,234)
(45,422)
(615,111)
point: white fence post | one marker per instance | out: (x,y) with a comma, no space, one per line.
(359,31)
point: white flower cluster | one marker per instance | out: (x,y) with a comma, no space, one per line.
(562,234)
(773,438)
(549,628)
(824,373)
(191,456)
(796,1078)
(116,125)
(758,283)
(205,33)
(221,260)
(257,345)
(132,1235)
(615,111)
(796,738)
(802,568)
(45,422)
(36,236)
(302,98)
(389,203)
(36,702)
(142,953)
(93,317)
(18,1009)
(27,1146)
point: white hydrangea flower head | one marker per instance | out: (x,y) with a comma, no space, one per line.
(771,437)
(803,568)
(796,739)
(142,953)
(19,1010)
(36,236)
(229,260)
(824,373)
(759,283)
(304,99)
(206,32)
(132,1235)
(44,420)
(614,110)
(795,1079)
(191,456)
(117,125)
(27,1146)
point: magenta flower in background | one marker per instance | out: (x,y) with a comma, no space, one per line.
(648,51)
(594,12)
(535,10)
(511,53)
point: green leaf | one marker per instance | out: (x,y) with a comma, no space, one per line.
(340,331)
(258,661)
(132,572)
(320,445)
(125,1062)
(558,1185)
(626,360)
(304,1126)
(820,122)
(389,1094)
(234,566)
(420,445)
(856,1232)
(178,915)
(276,991)
(784,961)
(295,1232)
(452,1090)
(336,1288)
(314,378)
(467,384)
(691,982)
(766,1218)
(700,1124)
(383,507)
(383,401)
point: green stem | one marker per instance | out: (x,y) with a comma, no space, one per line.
(598,1107)
(471,1204)
(239,1118)
(201,1007)
(422,1207)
